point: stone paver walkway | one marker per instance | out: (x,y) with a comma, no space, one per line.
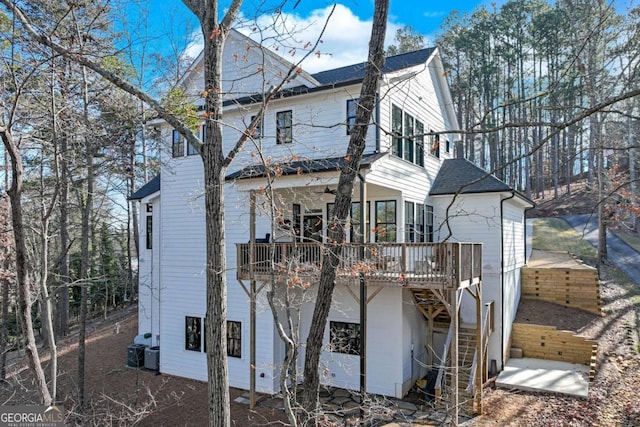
(343,407)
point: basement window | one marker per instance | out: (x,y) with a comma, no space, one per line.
(193,333)
(344,337)
(234,339)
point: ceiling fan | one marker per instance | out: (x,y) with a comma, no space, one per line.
(328,190)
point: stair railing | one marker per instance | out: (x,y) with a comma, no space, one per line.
(443,363)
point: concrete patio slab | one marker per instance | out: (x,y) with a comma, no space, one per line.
(545,375)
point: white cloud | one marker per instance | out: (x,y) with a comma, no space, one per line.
(345,40)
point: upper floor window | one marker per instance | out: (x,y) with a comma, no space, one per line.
(256,132)
(352,108)
(385,221)
(284,127)
(419,143)
(396,130)
(191,150)
(435,145)
(177,144)
(407,136)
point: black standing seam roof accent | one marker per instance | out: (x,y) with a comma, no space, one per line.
(148,189)
(456,173)
(305,166)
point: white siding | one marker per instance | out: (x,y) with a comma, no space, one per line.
(247,69)
(476,218)
(394,324)
(149,272)
(414,340)
(514,258)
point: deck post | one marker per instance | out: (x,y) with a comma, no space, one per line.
(252,301)
(455,309)
(477,395)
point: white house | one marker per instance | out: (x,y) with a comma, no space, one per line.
(409,178)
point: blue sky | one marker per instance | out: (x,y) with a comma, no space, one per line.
(345,41)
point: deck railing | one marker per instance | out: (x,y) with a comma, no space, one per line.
(451,263)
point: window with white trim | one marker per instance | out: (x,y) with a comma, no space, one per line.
(344,337)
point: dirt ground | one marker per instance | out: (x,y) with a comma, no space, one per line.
(614,395)
(124,396)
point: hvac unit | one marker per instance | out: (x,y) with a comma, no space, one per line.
(135,355)
(152,358)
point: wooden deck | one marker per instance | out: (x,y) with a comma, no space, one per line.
(391,264)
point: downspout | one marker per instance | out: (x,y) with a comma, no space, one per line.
(363,289)
(377,124)
(513,194)
(159,258)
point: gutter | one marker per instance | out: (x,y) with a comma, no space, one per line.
(513,194)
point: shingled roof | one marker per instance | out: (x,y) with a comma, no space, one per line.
(457,173)
(355,72)
(148,189)
(305,166)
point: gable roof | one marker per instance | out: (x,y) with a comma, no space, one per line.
(456,173)
(148,189)
(355,72)
(296,167)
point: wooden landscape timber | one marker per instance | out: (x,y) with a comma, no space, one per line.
(566,282)
(546,342)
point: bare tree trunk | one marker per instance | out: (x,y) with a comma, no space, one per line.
(24,285)
(4,332)
(63,291)
(47,310)
(84,255)
(46,314)
(6,283)
(336,230)
(214,169)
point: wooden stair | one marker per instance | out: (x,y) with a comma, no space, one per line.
(430,305)
(466,351)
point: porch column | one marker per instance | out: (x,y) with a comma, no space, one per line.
(455,311)
(252,300)
(363,288)
(479,350)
